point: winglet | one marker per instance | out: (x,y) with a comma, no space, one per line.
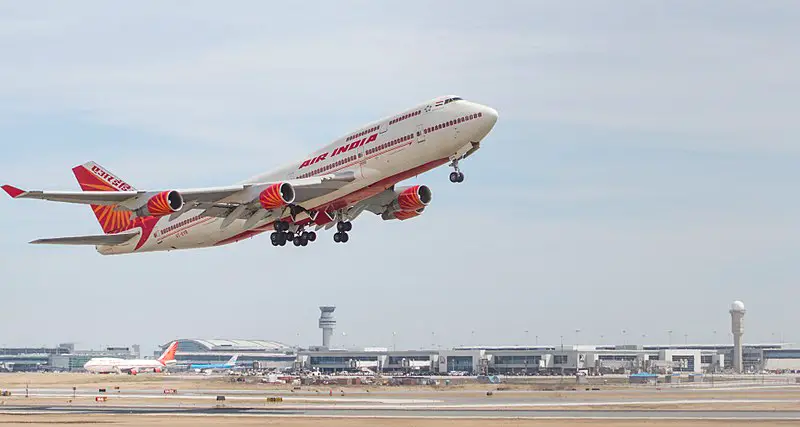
(13,191)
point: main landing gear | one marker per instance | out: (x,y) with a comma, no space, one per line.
(456,176)
(342,228)
(282,235)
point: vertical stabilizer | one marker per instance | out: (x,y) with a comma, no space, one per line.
(93,177)
(169,353)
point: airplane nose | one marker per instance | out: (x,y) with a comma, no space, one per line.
(491,113)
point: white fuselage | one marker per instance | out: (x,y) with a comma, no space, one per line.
(379,155)
(105,365)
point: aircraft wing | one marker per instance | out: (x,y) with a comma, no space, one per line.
(305,189)
(310,188)
(104,239)
(122,198)
(229,202)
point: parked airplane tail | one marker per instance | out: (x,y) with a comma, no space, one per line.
(93,177)
(169,354)
(232,360)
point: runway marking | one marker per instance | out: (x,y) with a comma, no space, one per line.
(440,417)
(334,399)
(455,417)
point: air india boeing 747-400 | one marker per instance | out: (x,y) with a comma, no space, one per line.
(329,188)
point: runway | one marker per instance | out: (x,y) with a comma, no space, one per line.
(158,401)
(407,413)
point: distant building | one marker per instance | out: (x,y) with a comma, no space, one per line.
(62,358)
(268,354)
(782,360)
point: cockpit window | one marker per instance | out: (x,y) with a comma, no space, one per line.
(452,99)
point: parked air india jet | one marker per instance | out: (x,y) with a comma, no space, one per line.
(107,365)
(330,187)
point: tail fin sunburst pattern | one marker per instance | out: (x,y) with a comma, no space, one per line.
(93,177)
(169,353)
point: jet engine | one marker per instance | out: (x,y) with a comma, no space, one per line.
(410,202)
(157,370)
(402,215)
(163,203)
(276,196)
(412,198)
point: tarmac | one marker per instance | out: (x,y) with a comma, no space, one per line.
(45,400)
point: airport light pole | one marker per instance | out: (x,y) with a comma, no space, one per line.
(394,342)
(624,337)
(685,339)
(669,339)
(577,353)
(562,342)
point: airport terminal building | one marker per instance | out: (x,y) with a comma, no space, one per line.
(261,354)
(499,360)
(63,357)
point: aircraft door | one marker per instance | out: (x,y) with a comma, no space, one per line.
(420,133)
(362,161)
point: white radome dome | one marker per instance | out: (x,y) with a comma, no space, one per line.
(737,306)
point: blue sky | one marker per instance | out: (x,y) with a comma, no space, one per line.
(642,174)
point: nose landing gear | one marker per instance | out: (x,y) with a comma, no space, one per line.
(456,176)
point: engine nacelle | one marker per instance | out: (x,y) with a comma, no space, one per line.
(157,370)
(402,215)
(276,196)
(133,372)
(163,203)
(412,198)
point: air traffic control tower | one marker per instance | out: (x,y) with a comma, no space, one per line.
(737,328)
(327,323)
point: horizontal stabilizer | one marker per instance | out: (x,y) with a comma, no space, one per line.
(104,239)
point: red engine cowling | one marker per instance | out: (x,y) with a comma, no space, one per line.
(404,215)
(412,198)
(163,203)
(134,372)
(277,196)
(157,370)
